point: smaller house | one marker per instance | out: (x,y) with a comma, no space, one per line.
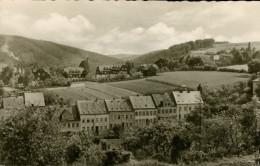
(75,73)
(41,74)
(69,117)
(216,58)
(34,99)
(149,70)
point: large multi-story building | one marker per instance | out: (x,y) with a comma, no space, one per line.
(166,108)
(75,73)
(120,112)
(110,70)
(186,102)
(93,116)
(144,108)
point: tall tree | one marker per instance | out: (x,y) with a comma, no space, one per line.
(85,65)
(254,66)
(7,74)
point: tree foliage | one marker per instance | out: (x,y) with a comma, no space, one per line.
(254,66)
(7,74)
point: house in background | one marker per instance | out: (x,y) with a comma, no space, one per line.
(94,116)
(111,70)
(149,70)
(165,106)
(75,73)
(144,108)
(187,101)
(41,74)
(120,112)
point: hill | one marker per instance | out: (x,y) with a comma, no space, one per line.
(16,49)
(175,52)
(170,53)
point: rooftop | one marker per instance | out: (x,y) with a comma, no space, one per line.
(13,102)
(158,98)
(34,99)
(118,105)
(187,97)
(142,102)
(91,107)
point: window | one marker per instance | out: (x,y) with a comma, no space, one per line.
(168,104)
(83,128)
(136,113)
(92,128)
(126,116)
(72,124)
(105,119)
(174,110)
(180,108)
(185,108)
(83,120)
(68,125)
(101,127)
(88,120)
(87,128)
(154,112)
(96,119)
(118,117)
(105,127)
(77,124)
(130,124)
(151,112)
(190,108)
(147,112)
(131,116)
(101,119)
(166,111)
(143,112)
(92,120)
(111,125)
(126,124)
(159,111)
(162,111)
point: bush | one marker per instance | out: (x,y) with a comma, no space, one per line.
(232,70)
(116,156)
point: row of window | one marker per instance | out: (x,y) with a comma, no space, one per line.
(92,120)
(114,117)
(125,125)
(92,128)
(73,125)
(145,113)
(166,111)
(185,108)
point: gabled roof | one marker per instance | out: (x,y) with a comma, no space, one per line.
(118,105)
(142,102)
(13,102)
(91,107)
(158,98)
(34,99)
(187,97)
(69,110)
(147,67)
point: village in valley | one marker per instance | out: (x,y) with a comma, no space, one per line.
(175,97)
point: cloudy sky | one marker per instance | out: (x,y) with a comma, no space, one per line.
(110,27)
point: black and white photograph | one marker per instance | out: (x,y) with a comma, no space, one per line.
(129,83)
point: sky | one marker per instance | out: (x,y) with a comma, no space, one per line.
(123,27)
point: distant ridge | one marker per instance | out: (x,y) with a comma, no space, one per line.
(17,49)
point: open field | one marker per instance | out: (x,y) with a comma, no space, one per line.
(236,67)
(171,80)
(143,86)
(194,78)
(91,91)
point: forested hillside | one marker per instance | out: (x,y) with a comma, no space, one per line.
(16,49)
(176,51)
